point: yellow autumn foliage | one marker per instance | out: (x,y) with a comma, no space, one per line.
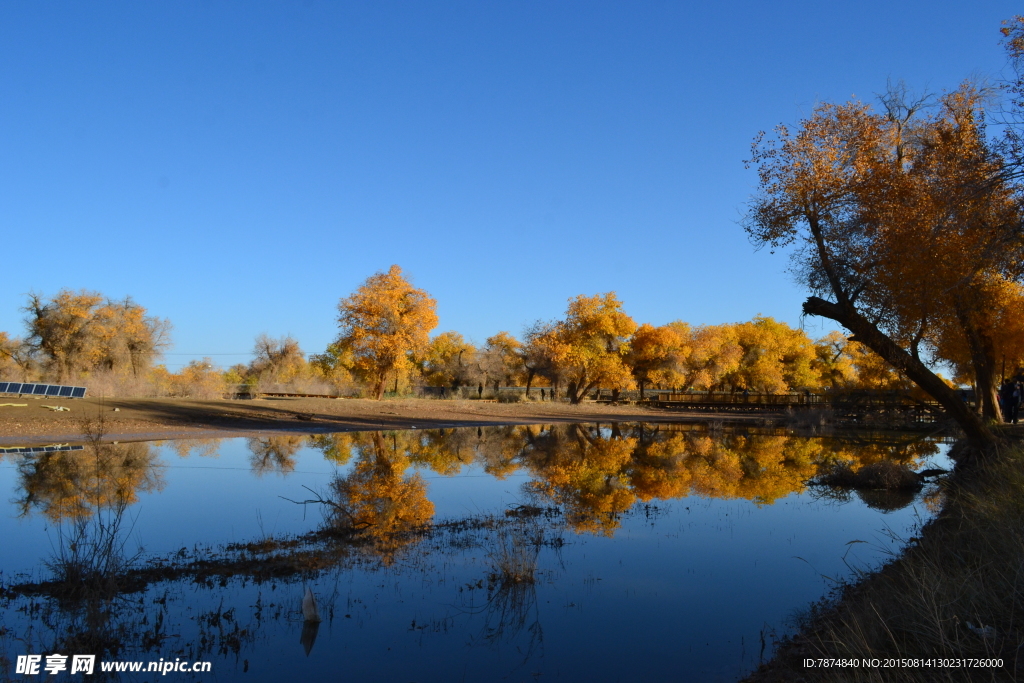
(382,323)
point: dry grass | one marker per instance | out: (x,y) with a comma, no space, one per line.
(513,557)
(955,592)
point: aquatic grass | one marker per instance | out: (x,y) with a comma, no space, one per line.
(511,609)
(513,556)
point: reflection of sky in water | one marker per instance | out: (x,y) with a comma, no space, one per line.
(682,590)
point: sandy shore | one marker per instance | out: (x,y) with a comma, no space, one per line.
(34,422)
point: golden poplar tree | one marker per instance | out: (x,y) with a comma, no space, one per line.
(501,361)
(899,218)
(77,332)
(449,361)
(657,354)
(776,358)
(589,347)
(382,323)
(715,353)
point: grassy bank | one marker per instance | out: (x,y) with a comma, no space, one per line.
(957,591)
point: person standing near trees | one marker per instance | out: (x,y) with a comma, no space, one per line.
(1006,400)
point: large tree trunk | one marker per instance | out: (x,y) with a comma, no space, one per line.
(865,332)
(984,363)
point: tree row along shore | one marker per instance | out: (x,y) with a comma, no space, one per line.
(385,347)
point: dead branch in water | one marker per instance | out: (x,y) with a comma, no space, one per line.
(326,501)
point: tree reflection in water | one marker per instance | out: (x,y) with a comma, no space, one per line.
(87,494)
(274,453)
(584,478)
(376,500)
(74,484)
(594,473)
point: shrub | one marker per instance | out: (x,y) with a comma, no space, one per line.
(885,474)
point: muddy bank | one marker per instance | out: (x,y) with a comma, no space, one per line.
(35,421)
(946,608)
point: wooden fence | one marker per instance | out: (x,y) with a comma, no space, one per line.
(853,405)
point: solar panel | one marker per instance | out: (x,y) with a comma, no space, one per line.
(33,389)
(39,449)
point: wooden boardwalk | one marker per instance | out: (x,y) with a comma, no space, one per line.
(855,406)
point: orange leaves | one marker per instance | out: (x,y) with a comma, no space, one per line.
(449,360)
(715,353)
(657,354)
(502,360)
(812,174)
(384,321)
(901,217)
(997,311)
(776,358)
(377,500)
(80,332)
(588,348)
(75,485)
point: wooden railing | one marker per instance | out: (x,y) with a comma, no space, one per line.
(846,404)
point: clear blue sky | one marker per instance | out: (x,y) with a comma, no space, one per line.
(239,167)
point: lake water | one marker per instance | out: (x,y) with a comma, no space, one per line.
(541,553)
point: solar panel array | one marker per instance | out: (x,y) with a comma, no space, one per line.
(40,449)
(47,390)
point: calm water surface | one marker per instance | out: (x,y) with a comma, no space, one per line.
(565,553)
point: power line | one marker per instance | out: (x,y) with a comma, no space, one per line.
(244,353)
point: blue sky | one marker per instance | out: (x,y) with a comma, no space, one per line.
(239,167)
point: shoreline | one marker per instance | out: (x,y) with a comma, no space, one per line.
(145,419)
(949,594)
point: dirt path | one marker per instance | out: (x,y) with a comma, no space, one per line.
(33,422)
